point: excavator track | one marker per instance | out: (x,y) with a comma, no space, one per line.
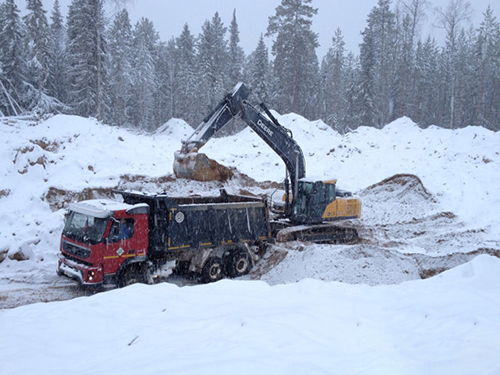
(318,233)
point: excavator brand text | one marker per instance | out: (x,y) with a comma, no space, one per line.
(265,128)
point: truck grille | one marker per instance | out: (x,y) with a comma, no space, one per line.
(78,251)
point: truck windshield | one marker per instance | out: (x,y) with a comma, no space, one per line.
(84,228)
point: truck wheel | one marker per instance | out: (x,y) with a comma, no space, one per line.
(212,270)
(238,264)
(132,275)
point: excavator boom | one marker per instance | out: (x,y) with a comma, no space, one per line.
(313,201)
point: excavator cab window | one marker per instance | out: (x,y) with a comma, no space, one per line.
(305,189)
(312,199)
(330,192)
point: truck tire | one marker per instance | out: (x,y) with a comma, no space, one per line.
(238,263)
(132,275)
(212,270)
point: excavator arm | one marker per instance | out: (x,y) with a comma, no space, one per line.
(224,112)
(279,138)
(235,105)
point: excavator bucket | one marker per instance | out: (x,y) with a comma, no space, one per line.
(199,167)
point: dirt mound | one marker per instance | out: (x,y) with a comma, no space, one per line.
(59,198)
(400,198)
(401,186)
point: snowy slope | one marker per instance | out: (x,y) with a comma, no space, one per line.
(353,309)
(449,324)
(47,164)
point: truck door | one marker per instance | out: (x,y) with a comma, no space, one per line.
(121,244)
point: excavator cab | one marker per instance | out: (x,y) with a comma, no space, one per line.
(318,201)
(311,201)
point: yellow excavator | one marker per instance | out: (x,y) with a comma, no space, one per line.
(309,209)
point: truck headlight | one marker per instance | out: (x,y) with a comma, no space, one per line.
(90,275)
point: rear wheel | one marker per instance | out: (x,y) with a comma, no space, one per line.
(238,264)
(212,270)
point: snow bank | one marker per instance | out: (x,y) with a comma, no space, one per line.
(446,325)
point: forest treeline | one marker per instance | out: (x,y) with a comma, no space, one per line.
(122,74)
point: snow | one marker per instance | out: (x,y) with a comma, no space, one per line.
(449,324)
(307,308)
(99,207)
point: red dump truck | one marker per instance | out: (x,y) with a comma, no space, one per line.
(145,237)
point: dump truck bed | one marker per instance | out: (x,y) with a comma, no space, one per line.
(184,223)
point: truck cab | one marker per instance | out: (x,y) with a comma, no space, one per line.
(100,239)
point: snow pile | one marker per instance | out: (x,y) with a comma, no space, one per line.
(176,129)
(445,325)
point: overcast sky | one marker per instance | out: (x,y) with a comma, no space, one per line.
(169,17)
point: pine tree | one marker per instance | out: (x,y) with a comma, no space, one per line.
(487,66)
(457,12)
(295,62)
(427,88)
(333,85)
(11,60)
(120,69)
(145,84)
(187,78)
(36,43)
(377,52)
(258,72)
(236,55)
(212,62)
(57,81)
(165,95)
(409,15)
(465,88)
(355,98)
(87,58)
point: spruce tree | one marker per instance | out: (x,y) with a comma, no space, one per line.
(409,15)
(166,92)
(451,18)
(295,62)
(12,63)
(212,62)
(258,72)
(145,84)
(236,55)
(36,44)
(120,69)
(87,58)
(487,66)
(378,52)
(333,85)
(187,78)
(427,88)
(57,81)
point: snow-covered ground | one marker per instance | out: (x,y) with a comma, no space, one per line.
(430,203)
(448,324)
